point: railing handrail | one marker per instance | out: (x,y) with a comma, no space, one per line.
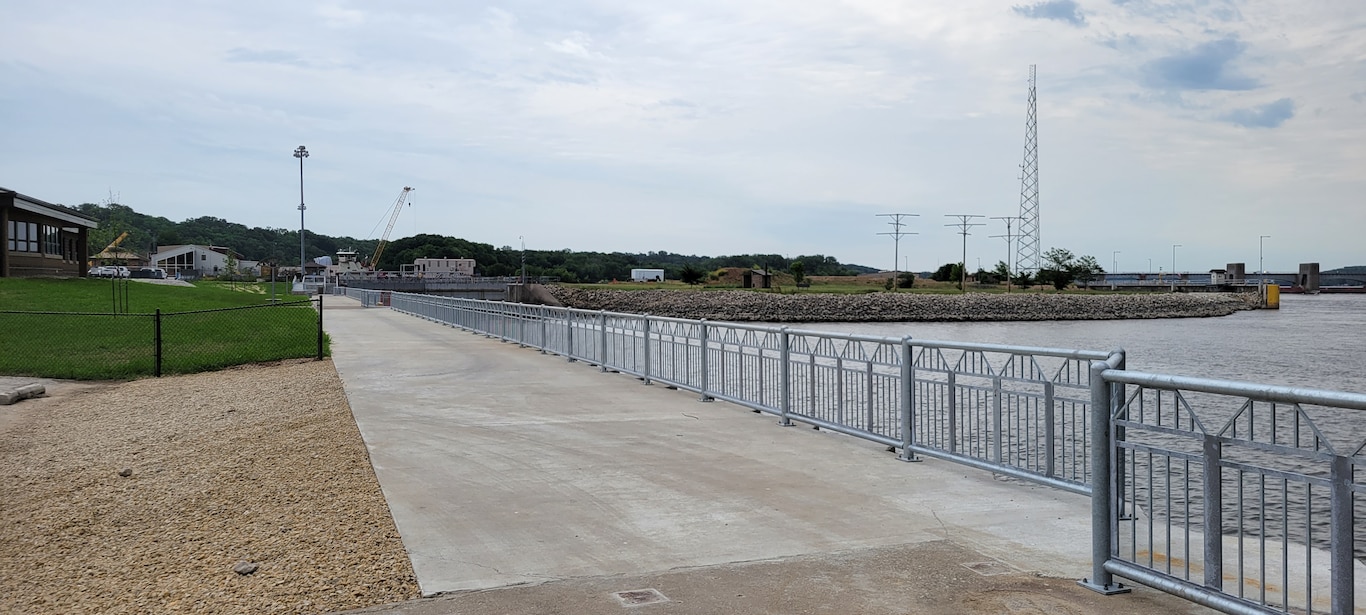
(1250,390)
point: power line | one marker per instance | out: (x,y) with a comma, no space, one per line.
(896,234)
(964,223)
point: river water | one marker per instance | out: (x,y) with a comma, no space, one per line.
(1313,341)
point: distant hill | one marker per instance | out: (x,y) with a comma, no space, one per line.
(281,246)
(1354,269)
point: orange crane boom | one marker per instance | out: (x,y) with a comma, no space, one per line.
(384,239)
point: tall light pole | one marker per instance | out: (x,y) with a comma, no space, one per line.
(1114,262)
(1174,247)
(523,240)
(301,152)
(1261,268)
(896,234)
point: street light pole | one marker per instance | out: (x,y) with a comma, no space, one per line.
(1174,247)
(1114,262)
(1261,267)
(301,152)
(523,240)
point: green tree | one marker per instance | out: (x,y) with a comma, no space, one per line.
(948,272)
(798,271)
(1062,267)
(905,280)
(691,275)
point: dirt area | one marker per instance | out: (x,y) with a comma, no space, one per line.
(259,464)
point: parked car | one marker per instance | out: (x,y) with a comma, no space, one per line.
(156,273)
(103,271)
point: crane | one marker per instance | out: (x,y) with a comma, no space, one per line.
(111,246)
(384,239)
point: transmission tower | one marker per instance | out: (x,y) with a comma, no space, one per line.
(1027,256)
(896,234)
(1009,237)
(964,223)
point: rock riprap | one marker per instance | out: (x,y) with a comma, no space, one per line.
(903,307)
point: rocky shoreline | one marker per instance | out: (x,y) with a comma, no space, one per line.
(902,307)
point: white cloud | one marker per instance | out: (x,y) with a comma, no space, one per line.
(730,127)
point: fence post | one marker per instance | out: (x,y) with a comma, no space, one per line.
(997,425)
(320,327)
(647,348)
(907,402)
(706,376)
(521,325)
(1050,420)
(157,327)
(602,340)
(569,335)
(1101,580)
(1341,536)
(784,377)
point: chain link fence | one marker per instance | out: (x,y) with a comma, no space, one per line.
(88,346)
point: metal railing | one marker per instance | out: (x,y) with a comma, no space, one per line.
(1237,496)
(1018,411)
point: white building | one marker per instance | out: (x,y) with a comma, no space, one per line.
(207,260)
(444,267)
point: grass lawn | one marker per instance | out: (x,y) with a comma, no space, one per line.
(78,335)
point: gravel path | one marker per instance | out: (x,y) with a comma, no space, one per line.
(259,464)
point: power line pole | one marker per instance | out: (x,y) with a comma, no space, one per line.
(896,234)
(1010,269)
(1028,258)
(964,223)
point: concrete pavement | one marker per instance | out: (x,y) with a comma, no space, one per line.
(525,483)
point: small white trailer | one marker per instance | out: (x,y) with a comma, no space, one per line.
(647,275)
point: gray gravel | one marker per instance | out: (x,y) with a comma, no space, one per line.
(257,468)
(902,307)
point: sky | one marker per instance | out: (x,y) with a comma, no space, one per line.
(712,127)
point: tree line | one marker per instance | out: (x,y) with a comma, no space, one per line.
(281,246)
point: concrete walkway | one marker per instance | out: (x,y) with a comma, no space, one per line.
(506,468)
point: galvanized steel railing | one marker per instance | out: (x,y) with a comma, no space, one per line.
(1018,411)
(1272,469)
(1238,496)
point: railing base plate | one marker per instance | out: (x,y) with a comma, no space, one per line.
(1105,590)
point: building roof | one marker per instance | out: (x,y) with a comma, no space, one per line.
(51,210)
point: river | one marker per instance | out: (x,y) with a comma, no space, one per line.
(1313,341)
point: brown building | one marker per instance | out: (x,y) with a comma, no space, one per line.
(41,238)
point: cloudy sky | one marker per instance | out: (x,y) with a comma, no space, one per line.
(711,126)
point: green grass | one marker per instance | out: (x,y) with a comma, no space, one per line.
(203,328)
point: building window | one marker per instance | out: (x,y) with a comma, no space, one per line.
(23,236)
(52,240)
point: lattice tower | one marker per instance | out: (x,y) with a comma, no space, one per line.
(1027,253)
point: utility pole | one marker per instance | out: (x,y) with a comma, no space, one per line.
(1010,269)
(1261,264)
(896,234)
(1028,258)
(964,223)
(523,240)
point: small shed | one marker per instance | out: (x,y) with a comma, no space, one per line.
(758,278)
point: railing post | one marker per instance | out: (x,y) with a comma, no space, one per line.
(907,402)
(784,377)
(646,341)
(1341,537)
(1214,512)
(705,362)
(602,340)
(569,335)
(951,386)
(1050,440)
(1102,512)
(521,326)
(545,339)
(996,423)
